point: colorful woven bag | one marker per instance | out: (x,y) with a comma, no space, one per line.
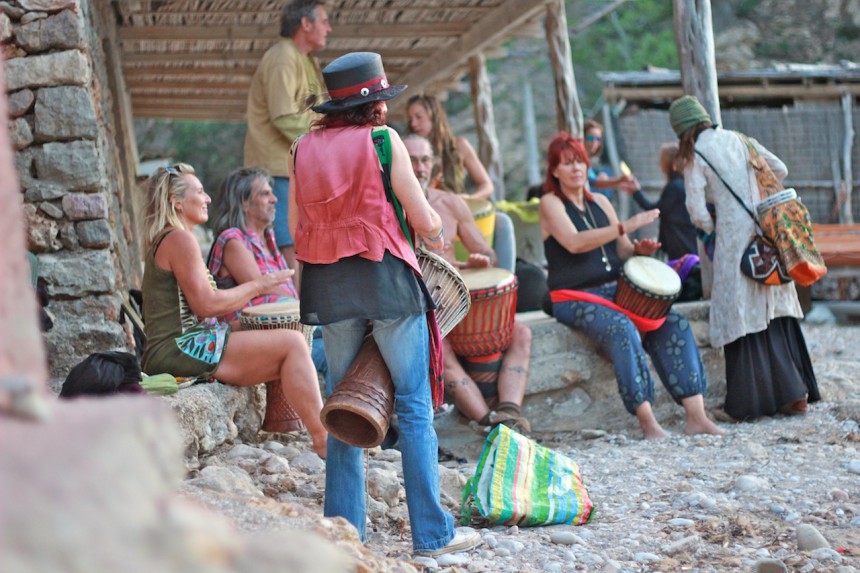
(520,482)
(786,221)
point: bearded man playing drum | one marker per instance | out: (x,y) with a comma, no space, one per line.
(490,398)
(585,244)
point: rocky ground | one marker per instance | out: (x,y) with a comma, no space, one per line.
(781,494)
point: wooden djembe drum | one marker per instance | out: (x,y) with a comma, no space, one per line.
(360,407)
(280,415)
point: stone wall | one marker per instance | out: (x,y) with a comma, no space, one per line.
(73,179)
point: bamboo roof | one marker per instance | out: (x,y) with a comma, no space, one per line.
(194,59)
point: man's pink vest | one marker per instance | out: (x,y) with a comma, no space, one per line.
(342,206)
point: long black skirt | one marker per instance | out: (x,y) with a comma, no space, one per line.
(768,369)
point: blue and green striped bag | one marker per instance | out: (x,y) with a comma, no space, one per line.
(520,482)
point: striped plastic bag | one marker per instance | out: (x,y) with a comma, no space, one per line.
(519,482)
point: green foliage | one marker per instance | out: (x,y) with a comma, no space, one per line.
(636,35)
(747,8)
(212,148)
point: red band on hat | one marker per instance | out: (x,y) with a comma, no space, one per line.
(374,85)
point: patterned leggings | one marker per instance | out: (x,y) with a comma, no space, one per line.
(672,349)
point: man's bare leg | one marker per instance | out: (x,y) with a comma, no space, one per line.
(467,396)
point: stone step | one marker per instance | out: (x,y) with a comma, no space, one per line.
(572,386)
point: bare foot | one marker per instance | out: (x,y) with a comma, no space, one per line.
(649,424)
(655,432)
(705,426)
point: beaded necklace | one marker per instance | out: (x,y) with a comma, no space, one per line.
(591,226)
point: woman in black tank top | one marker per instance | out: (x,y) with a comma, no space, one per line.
(585,246)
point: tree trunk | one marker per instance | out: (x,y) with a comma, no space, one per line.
(485,124)
(568,111)
(694,40)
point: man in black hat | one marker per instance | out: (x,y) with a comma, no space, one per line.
(360,270)
(287,82)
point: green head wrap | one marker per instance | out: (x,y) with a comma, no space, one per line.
(686,112)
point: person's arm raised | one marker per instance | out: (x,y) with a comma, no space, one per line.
(181,253)
(420,214)
(480,253)
(475,169)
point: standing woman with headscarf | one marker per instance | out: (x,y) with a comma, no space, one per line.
(768,369)
(360,270)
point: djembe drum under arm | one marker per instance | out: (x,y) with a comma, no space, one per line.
(360,407)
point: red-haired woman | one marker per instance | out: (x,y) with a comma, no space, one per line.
(585,246)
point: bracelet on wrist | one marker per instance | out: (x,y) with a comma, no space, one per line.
(438,237)
(620,229)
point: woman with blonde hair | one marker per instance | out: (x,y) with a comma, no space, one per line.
(456,158)
(179,293)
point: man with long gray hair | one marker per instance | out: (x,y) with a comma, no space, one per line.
(288,81)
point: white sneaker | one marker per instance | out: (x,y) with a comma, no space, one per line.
(465,538)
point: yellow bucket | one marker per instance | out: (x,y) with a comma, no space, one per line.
(484,213)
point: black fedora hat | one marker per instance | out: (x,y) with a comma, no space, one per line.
(354,79)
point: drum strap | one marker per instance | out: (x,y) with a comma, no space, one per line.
(382,143)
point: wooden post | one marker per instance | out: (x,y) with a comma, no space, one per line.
(485,124)
(610,142)
(23,366)
(846,213)
(568,111)
(694,40)
(530,129)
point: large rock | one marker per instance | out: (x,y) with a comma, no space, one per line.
(20,102)
(5,27)
(21,132)
(60,68)
(43,191)
(42,232)
(94,234)
(47,5)
(77,274)
(94,489)
(74,165)
(65,112)
(212,414)
(62,31)
(85,206)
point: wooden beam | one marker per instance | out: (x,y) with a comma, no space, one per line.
(334,13)
(189,71)
(148,58)
(262,32)
(188,115)
(663,93)
(227,56)
(191,85)
(486,32)
(187,100)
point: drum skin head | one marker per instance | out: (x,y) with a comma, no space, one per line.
(288,308)
(479,207)
(652,276)
(479,279)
